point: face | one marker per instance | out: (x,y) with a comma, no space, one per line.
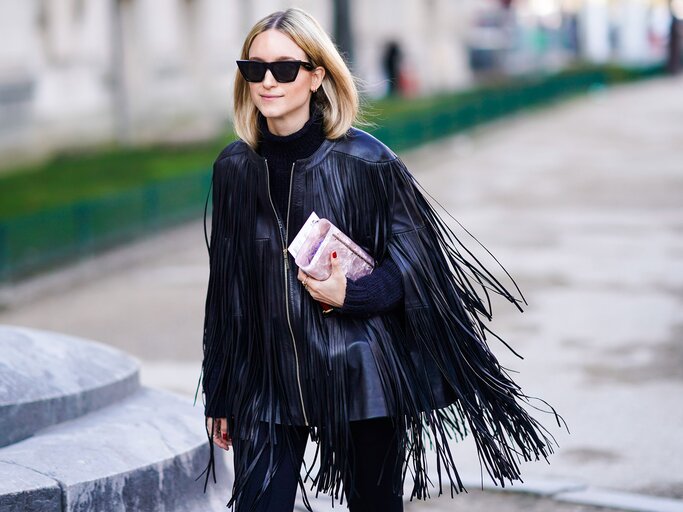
(284,104)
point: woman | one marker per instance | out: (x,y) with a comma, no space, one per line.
(392,361)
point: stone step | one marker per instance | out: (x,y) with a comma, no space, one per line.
(48,377)
(144,453)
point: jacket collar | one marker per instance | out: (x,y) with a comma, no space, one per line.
(314,159)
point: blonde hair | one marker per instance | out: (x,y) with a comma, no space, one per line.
(337,97)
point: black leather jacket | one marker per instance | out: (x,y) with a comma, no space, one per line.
(288,304)
(270,352)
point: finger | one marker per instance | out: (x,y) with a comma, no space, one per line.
(221,444)
(335,262)
(220,440)
(312,283)
(226,430)
(308,279)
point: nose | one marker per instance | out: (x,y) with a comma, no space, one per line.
(269,79)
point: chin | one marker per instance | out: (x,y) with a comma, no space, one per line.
(271,111)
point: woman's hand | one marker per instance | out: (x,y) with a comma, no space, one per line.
(221,436)
(332,290)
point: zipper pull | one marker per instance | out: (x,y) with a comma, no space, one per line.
(284,255)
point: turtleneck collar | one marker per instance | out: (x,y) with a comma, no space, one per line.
(294,146)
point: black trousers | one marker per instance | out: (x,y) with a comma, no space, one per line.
(373,440)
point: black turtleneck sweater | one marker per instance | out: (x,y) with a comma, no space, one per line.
(379,291)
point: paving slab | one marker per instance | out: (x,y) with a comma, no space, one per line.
(621,500)
(541,487)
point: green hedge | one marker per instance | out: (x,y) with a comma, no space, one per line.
(70,178)
(412,123)
(113,197)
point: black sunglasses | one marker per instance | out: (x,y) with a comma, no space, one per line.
(283,70)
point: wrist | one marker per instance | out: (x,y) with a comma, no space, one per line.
(343,294)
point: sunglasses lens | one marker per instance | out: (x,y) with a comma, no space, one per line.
(255,71)
(285,71)
(252,71)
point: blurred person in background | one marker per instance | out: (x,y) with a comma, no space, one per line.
(674,53)
(391,354)
(392,66)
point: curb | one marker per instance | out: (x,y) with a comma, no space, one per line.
(581,493)
(558,490)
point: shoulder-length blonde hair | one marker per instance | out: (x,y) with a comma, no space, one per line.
(337,97)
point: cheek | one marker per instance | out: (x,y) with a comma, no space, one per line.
(301,87)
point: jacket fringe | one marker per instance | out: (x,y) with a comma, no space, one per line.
(439,377)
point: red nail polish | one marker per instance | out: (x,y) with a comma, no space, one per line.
(334,254)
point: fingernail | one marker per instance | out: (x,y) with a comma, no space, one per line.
(334,254)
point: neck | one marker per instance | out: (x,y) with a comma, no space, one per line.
(296,145)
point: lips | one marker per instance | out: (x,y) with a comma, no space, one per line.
(270,97)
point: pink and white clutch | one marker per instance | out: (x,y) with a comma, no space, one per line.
(315,242)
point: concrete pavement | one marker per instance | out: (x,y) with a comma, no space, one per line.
(582,203)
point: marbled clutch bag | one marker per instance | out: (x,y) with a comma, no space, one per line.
(314,243)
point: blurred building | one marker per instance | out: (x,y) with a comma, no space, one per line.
(77,72)
(518,36)
(631,32)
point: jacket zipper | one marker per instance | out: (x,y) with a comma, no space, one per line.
(283,238)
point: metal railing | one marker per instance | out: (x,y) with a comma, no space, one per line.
(32,242)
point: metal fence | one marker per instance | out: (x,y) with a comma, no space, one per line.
(33,242)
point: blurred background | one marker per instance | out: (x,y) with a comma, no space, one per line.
(112,111)
(553,129)
(75,73)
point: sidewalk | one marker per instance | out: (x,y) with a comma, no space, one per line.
(583,205)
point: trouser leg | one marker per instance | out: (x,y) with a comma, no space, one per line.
(374,446)
(281,492)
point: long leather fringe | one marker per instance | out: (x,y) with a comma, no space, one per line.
(439,377)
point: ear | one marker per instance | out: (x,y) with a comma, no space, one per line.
(318,75)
